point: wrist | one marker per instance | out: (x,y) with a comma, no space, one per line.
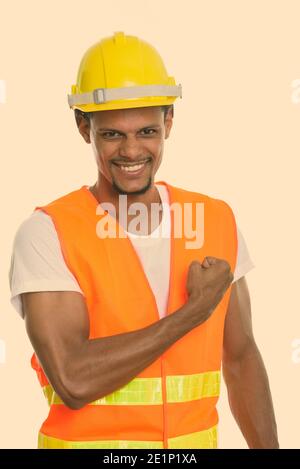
(192,313)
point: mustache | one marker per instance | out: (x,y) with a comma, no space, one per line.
(141,160)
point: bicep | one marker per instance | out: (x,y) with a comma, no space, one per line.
(57,325)
(238,333)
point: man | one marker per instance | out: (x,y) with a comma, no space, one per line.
(128,325)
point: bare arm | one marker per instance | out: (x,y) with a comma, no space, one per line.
(245,374)
(82,370)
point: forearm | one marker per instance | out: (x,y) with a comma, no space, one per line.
(250,398)
(101,366)
(81,369)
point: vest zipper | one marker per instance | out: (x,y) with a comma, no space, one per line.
(163,373)
(165,413)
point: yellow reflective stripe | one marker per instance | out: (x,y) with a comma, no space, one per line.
(148,391)
(139,391)
(184,388)
(48,393)
(48,442)
(206,439)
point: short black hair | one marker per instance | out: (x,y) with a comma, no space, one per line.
(87,115)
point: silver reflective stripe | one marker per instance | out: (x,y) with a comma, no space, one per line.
(103,95)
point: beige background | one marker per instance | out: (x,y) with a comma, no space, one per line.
(235,137)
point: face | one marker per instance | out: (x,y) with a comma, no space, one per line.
(128,146)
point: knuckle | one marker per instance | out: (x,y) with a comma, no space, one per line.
(212,260)
(225,265)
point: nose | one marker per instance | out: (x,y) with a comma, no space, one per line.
(130,148)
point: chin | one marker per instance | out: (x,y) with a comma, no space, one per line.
(144,187)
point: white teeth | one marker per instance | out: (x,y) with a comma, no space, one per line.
(132,168)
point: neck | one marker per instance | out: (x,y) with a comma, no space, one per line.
(104,191)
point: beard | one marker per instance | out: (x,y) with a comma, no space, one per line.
(140,191)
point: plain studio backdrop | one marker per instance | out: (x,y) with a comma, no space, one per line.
(235,137)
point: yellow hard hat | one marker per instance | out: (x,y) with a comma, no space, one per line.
(122,72)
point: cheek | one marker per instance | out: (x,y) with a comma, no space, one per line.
(94,148)
(103,153)
(155,148)
(156,153)
(159,151)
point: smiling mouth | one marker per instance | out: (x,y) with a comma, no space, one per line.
(132,167)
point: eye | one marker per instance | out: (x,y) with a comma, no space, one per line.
(109,134)
(149,131)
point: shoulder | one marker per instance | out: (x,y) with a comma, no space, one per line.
(219,205)
(37,226)
(186,193)
(77,197)
(40,223)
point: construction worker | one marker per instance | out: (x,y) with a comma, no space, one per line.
(130,321)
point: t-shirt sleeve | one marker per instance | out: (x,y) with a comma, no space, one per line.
(37,262)
(244,263)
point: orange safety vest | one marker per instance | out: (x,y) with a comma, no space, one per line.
(172,402)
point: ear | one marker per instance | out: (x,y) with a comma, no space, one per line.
(168,123)
(83,125)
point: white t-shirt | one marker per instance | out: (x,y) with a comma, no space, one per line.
(37,262)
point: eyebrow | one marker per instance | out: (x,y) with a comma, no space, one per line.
(154,126)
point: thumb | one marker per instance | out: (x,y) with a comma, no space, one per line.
(208,261)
